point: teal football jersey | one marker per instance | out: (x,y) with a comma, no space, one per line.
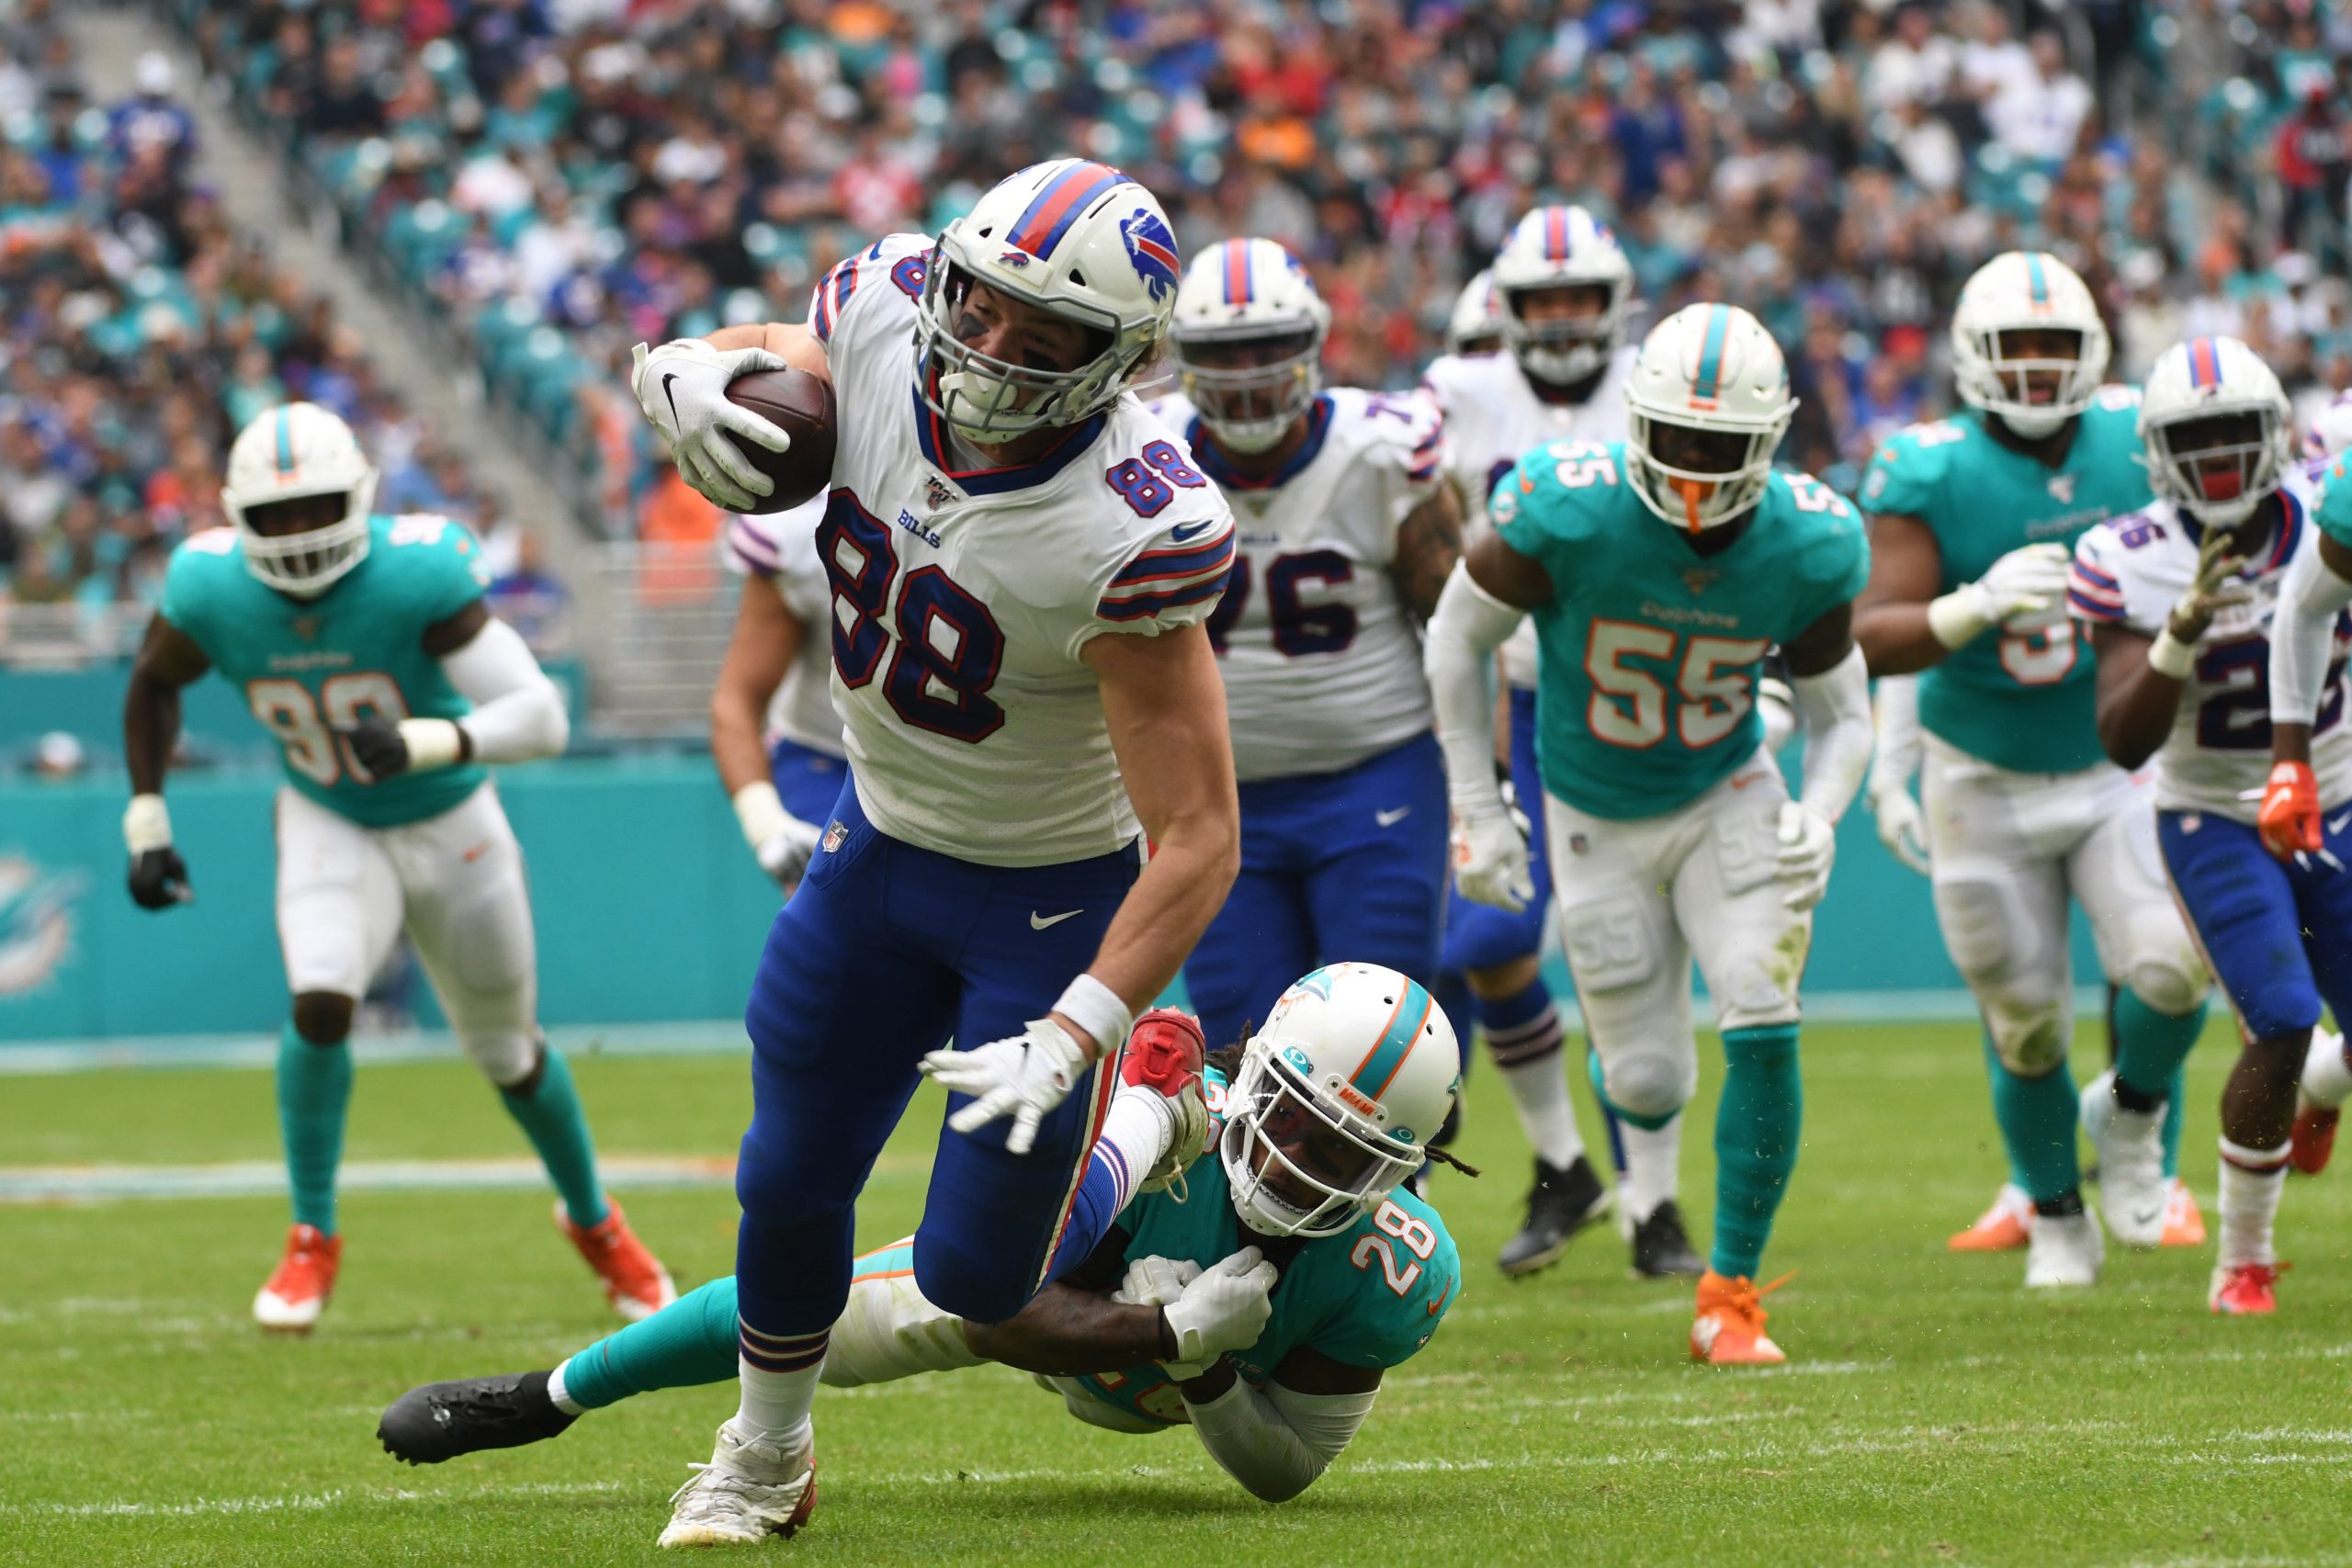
(310,666)
(2334,513)
(2021,698)
(1646,693)
(1369,1297)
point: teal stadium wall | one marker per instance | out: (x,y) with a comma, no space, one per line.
(649,909)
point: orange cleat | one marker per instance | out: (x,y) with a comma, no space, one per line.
(298,1291)
(1729,1329)
(2246,1287)
(635,1281)
(2004,1228)
(2313,1138)
(2184,1221)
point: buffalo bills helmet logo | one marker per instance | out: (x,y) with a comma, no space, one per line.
(1015,258)
(1152,249)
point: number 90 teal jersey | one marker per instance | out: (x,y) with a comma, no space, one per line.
(310,667)
(1647,690)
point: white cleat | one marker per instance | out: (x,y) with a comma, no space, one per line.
(2132,1192)
(747,1493)
(2064,1250)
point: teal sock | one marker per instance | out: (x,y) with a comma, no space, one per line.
(2037,1118)
(551,1114)
(1647,1123)
(1992,1072)
(2151,1049)
(1756,1142)
(690,1342)
(313,1090)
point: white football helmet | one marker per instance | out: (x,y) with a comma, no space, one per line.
(2218,428)
(290,453)
(1336,1099)
(1077,239)
(2025,292)
(1562,247)
(1476,326)
(2331,429)
(1711,368)
(1249,294)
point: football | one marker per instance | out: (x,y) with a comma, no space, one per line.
(803,405)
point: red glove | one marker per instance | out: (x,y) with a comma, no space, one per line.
(2290,820)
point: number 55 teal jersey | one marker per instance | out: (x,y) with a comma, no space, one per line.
(1647,690)
(310,667)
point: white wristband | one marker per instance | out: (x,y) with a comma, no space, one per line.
(432,743)
(761,811)
(146,825)
(1096,1009)
(2170,656)
(1958,618)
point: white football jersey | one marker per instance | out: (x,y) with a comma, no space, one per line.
(781,550)
(1322,661)
(2131,570)
(1493,418)
(963,593)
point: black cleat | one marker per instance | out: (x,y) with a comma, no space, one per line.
(1561,1203)
(1661,1250)
(442,1420)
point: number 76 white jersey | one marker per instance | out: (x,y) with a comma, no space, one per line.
(2129,571)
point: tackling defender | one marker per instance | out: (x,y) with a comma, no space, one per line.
(1673,830)
(1562,290)
(1345,532)
(1022,561)
(1971,520)
(1174,1319)
(773,733)
(2191,604)
(364,646)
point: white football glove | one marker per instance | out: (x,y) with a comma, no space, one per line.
(1902,827)
(1490,861)
(2216,584)
(682,386)
(1808,843)
(1023,1078)
(2030,577)
(782,842)
(1156,1282)
(1225,1309)
(1776,701)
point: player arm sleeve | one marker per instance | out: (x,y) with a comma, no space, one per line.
(518,714)
(1836,704)
(1276,1442)
(1900,749)
(1458,655)
(2309,600)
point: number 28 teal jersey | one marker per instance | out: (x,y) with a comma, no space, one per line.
(1368,1297)
(2020,697)
(310,666)
(1646,696)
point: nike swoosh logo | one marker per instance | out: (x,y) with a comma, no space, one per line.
(1188,531)
(1038,922)
(2335,824)
(1743,784)
(669,398)
(1390,818)
(1438,1305)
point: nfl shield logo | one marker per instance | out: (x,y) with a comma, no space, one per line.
(935,493)
(307,627)
(2061,488)
(834,834)
(1699,578)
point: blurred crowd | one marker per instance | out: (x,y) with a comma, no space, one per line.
(138,329)
(618,170)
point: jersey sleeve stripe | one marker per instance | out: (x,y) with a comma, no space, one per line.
(1159,566)
(750,552)
(1146,606)
(2091,609)
(2092,575)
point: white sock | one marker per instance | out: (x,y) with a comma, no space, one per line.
(1136,1134)
(2327,1077)
(780,1386)
(1540,1089)
(562,1401)
(2252,1180)
(1653,1165)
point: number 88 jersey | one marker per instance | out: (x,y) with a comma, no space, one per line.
(964,592)
(1322,664)
(2131,571)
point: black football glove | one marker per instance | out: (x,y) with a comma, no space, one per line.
(376,741)
(159,879)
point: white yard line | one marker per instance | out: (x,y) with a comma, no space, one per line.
(262,1178)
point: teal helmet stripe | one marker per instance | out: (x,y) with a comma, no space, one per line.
(1710,351)
(2037,286)
(285,440)
(1374,1074)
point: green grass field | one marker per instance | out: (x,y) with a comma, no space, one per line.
(1933,1413)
